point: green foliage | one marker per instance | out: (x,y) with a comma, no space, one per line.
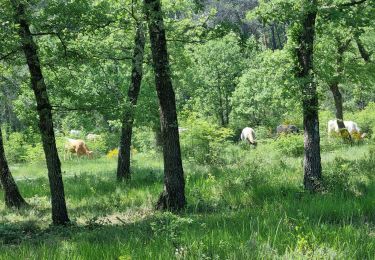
(365,119)
(203,141)
(251,207)
(169,225)
(212,77)
(291,144)
(15,147)
(266,91)
(144,139)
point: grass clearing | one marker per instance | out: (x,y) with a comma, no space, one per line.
(252,206)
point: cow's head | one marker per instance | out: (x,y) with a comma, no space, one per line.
(90,154)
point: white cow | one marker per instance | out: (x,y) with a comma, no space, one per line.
(351,126)
(75,133)
(248,134)
(93,137)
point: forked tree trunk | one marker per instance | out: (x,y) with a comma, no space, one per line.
(173,196)
(59,211)
(123,167)
(305,52)
(13,197)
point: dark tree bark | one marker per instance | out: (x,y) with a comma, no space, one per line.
(123,167)
(305,52)
(281,45)
(59,210)
(274,45)
(362,50)
(334,87)
(173,196)
(13,197)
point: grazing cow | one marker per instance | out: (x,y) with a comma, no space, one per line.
(93,137)
(351,126)
(78,147)
(248,134)
(75,132)
(287,129)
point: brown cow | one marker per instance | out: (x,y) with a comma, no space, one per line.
(78,147)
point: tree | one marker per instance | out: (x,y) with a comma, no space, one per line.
(13,197)
(173,196)
(266,91)
(59,210)
(215,68)
(123,167)
(334,86)
(304,38)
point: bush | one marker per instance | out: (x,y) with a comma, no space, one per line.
(203,141)
(365,119)
(15,148)
(143,138)
(112,154)
(34,153)
(99,145)
(291,145)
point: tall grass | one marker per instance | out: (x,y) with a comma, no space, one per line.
(251,207)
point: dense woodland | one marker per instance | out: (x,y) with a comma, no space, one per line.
(154,94)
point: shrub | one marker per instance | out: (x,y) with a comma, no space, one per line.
(34,153)
(15,148)
(291,145)
(112,154)
(143,138)
(203,141)
(98,146)
(366,118)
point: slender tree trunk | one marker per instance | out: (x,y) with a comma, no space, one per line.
(173,196)
(59,211)
(123,167)
(362,50)
(13,197)
(278,37)
(305,51)
(274,45)
(334,87)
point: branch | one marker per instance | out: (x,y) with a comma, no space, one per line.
(85,109)
(352,3)
(344,6)
(8,54)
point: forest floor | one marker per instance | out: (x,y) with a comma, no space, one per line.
(251,206)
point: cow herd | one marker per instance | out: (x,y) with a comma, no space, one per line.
(79,147)
(248,133)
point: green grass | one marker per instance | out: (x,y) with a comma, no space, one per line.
(251,206)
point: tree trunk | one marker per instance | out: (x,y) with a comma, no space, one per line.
(13,197)
(279,38)
(338,103)
(173,196)
(362,50)
(334,87)
(123,167)
(274,45)
(305,51)
(59,211)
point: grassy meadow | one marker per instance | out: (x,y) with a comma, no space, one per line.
(252,205)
